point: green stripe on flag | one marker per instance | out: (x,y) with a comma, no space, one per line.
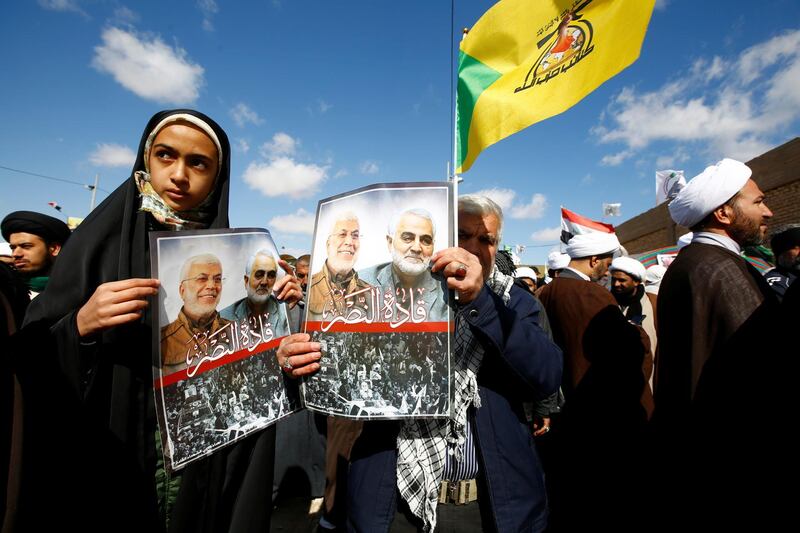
(474,78)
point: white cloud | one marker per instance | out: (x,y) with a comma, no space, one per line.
(62,5)
(342,172)
(752,102)
(242,114)
(661,5)
(300,222)
(534,209)
(369,167)
(587,179)
(547,234)
(148,67)
(241,145)
(612,160)
(112,155)
(208,8)
(680,155)
(502,197)
(323,106)
(124,15)
(281,144)
(282,176)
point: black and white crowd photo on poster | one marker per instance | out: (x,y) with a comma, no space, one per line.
(216,379)
(382,374)
(382,316)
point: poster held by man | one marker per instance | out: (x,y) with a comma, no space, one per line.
(383,317)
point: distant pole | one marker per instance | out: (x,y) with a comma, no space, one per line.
(94,191)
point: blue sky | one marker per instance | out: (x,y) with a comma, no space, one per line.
(321,97)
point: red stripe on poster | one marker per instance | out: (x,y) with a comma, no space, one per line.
(381,327)
(205,365)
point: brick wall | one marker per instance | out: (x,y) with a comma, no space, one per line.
(784,202)
(777,172)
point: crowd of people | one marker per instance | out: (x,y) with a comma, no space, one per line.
(606,396)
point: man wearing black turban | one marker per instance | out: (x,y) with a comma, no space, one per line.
(35,240)
(786,247)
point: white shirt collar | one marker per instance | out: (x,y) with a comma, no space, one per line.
(707,237)
(581,274)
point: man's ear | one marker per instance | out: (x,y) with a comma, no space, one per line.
(246,280)
(54,249)
(724,214)
(389,243)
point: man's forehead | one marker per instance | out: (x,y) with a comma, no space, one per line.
(22,237)
(264,262)
(415,223)
(206,267)
(349,225)
(477,224)
(752,189)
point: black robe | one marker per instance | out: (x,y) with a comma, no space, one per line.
(721,384)
(90,412)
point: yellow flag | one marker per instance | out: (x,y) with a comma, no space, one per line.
(527,60)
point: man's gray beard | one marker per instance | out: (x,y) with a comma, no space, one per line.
(255,298)
(409,268)
(340,266)
(197,310)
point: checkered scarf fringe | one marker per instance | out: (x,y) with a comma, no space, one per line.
(197,218)
(422,444)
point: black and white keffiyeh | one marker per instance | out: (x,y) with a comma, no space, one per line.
(422,445)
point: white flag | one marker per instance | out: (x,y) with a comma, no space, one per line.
(668,184)
(612,210)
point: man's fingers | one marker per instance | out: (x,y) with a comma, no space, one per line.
(289,269)
(281,283)
(295,337)
(297,349)
(305,370)
(298,361)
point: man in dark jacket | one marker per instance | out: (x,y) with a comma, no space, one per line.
(478,469)
(785,244)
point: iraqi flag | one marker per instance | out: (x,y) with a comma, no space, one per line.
(574,224)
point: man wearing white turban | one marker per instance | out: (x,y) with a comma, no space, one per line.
(714,321)
(598,438)
(627,287)
(556,262)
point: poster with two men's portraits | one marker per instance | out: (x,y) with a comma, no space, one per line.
(382,317)
(216,379)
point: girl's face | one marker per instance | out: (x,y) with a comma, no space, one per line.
(183,165)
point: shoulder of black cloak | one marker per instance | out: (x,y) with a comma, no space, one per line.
(111,243)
